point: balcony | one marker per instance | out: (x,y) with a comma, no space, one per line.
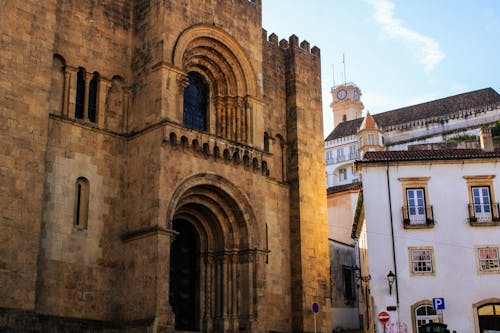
(341,158)
(484,214)
(418,217)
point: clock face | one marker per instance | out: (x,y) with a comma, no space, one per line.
(341,94)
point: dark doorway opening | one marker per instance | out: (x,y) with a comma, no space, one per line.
(489,318)
(184,296)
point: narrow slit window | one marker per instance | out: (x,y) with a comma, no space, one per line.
(80,94)
(81,203)
(93,97)
(266,142)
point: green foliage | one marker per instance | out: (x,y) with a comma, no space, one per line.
(463,137)
(495,131)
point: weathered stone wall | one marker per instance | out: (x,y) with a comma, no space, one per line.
(26,41)
(138,284)
(157,27)
(81,265)
(309,231)
(269,202)
(114,274)
(95,36)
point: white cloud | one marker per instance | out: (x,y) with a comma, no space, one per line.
(426,48)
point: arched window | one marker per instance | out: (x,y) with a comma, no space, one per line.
(196,102)
(80,93)
(489,317)
(93,97)
(81,203)
(344,118)
(423,313)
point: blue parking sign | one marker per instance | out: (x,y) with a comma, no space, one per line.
(438,303)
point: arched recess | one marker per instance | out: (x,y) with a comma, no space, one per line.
(281,156)
(115,105)
(228,257)
(224,65)
(342,173)
(57,85)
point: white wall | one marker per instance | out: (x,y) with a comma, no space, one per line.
(453,239)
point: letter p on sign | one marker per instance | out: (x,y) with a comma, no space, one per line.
(438,303)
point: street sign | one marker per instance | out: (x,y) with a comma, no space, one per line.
(383,317)
(315,309)
(438,303)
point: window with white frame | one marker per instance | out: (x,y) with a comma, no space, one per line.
(342,174)
(421,259)
(489,259)
(340,154)
(481,199)
(425,314)
(416,205)
(371,139)
(352,152)
(483,209)
(360,142)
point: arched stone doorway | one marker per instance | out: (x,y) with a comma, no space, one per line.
(217,234)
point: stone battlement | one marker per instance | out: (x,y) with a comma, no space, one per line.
(292,42)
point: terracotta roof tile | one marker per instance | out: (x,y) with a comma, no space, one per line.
(345,187)
(437,108)
(345,128)
(419,155)
(368,122)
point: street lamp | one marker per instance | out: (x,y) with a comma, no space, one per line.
(391,277)
(359,276)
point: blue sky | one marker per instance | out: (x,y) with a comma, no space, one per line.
(399,53)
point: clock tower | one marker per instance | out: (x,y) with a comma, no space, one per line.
(346,103)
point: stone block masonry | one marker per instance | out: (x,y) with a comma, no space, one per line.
(118,213)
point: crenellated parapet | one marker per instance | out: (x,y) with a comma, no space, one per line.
(292,42)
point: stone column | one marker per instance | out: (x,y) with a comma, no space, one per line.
(102,94)
(165,318)
(207,292)
(70,88)
(219,110)
(126,109)
(182,83)
(88,78)
(68,74)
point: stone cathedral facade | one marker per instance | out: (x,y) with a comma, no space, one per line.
(161,170)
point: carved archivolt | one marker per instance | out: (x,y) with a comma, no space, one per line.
(216,56)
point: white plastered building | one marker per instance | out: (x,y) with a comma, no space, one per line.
(431,217)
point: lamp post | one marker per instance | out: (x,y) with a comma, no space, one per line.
(359,276)
(391,277)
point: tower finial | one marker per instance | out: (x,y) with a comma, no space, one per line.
(345,74)
(333,75)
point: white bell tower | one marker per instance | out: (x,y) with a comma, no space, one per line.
(346,103)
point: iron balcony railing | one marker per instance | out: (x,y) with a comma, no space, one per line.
(484,213)
(418,216)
